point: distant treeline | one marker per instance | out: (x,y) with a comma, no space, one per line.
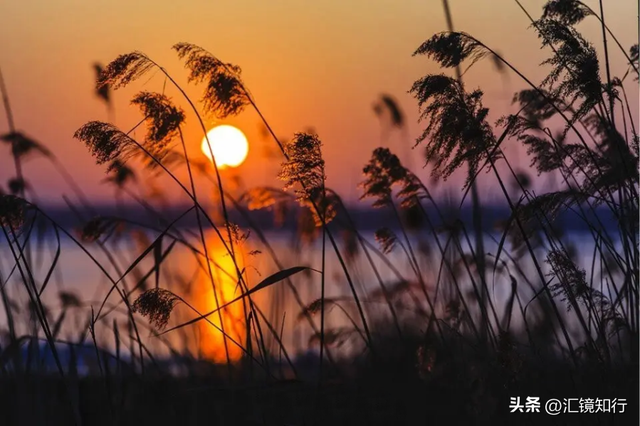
(366,219)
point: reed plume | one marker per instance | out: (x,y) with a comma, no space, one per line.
(120,174)
(575,74)
(106,142)
(17,185)
(13,211)
(305,166)
(22,145)
(162,117)
(535,107)
(634,58)
(566,12)
(124,70)
(391,105)
(261,197)
(457,131)
(387,239)
(163,121)
(382,172)
(97,227)
(450,49)
(103,91)
(225,94)
(156,304)
(304,170)
(69,299)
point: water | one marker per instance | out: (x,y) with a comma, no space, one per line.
(187,275)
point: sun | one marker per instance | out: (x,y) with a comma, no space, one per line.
(229,146)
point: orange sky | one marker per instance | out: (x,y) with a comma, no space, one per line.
(317,64)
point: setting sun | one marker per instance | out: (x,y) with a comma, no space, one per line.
(229,146)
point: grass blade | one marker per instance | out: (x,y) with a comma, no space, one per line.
(275,278)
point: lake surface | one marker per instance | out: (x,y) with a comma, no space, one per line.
(281,304)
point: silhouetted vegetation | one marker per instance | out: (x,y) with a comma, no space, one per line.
(469,318)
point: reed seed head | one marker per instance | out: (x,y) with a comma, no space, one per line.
(457,131)
(156,304)
(105,141)
(387,239)
(13,211)
(225,94)
(21,145)
(124,70)
(567,12)
(162,117)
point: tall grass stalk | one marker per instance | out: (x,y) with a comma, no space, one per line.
(475,203)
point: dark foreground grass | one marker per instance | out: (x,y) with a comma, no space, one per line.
(459,394)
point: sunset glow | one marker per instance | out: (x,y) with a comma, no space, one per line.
(229,146)
(212,342)
(319,213)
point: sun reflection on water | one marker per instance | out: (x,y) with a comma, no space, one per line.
(225,280)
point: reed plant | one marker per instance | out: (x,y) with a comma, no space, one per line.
(459,325)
